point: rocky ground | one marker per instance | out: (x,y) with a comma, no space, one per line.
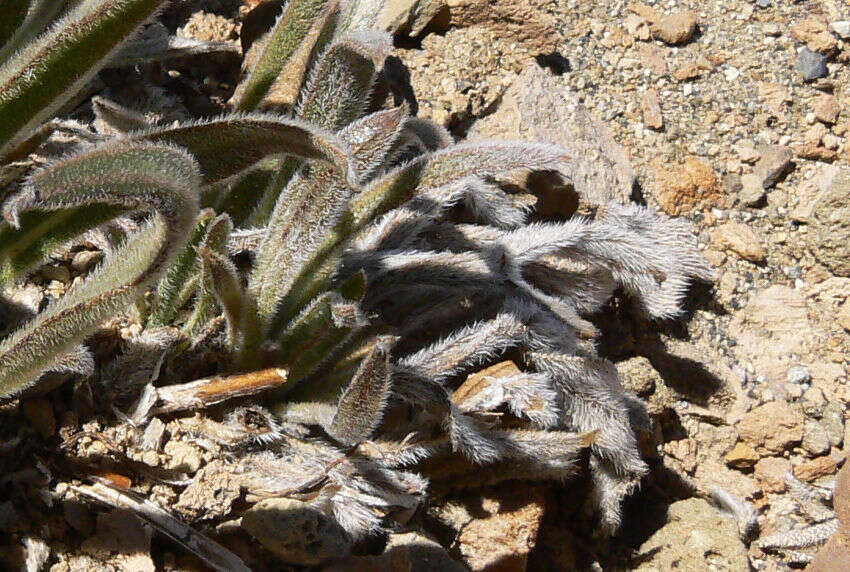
(731,113)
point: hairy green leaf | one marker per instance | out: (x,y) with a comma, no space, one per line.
(229,144)
(42,232)
(170,292)
(361,406)
(47,72)
(205,308)
(132,175)
(224,280)
(292,28)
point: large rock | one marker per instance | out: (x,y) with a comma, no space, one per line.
(520,20)
(696,537)
(740,239)
(408,552)
(773,326)
(772,427)
(681,189)
(410,17)
(295,531)
(538,107)
(497,528)
(829,227)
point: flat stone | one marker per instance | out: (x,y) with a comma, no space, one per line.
(775,162)
(296,532)
(696,536)
(772,427)
(841,28)
(687,187)
(811,65)
(832,420)
(407,552)
(651,106)
(770,473)
(826,108)
(815,439)
(638,375)
(799,374)
(537,107)
(500,532)
(773,326)
(809,191)
(814,152)
(833,556)
(814,33)
(677,28)
(742,456)
(816,468)
(739,239)
(409,17)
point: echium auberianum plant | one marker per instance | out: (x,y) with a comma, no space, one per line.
(337,265)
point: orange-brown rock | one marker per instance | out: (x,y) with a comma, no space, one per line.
(685,188)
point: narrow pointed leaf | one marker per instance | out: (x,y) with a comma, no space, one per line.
(166,301)
(336,95)
(116,117)
(44,75)
(227,287)
(361,407)
(308,211)
(226,145)
(205,308)
(286,89)
(131,175)
(338,90)
(291,30)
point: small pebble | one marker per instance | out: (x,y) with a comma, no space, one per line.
(84,260)
(811,65)
(799,374)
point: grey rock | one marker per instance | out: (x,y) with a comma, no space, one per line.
(538,107)
(752,190)
(829,226)
(815,439)
(409,16)
(775,162)
(833,421)
(697,536)
(296,532)
(811,65)
(799,374)
(841,28)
